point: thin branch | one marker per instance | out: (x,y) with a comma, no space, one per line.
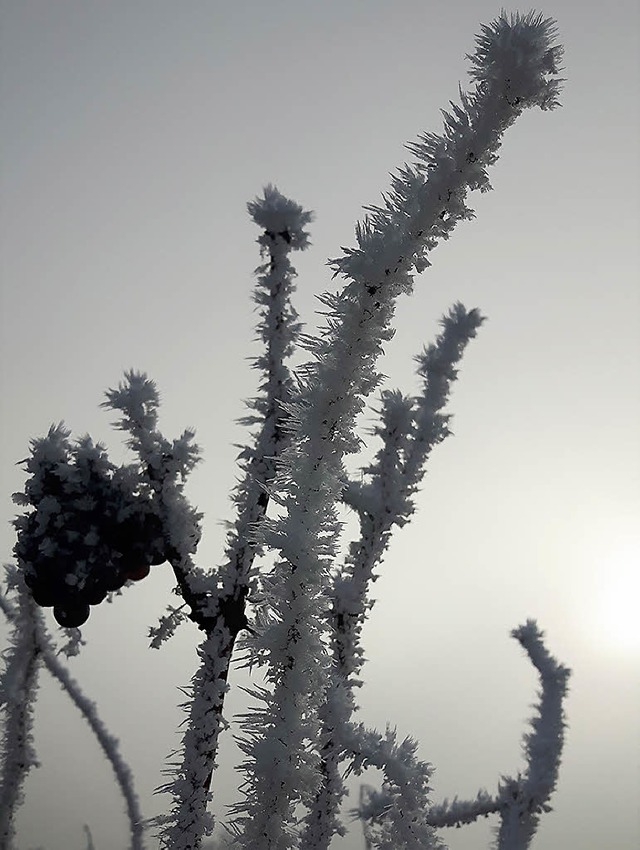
(523,799)
(107,742)
(409,429)
(513,72)
(222,612)
(519,801)
(396,815)
(18,688)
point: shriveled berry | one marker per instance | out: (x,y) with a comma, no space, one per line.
(95,595)
(114,579)
(45,597)
(138,572)
(72,614)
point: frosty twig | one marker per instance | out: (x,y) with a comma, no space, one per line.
(282,222)
(521,800)
(41,649)
(18,686)
(89,526)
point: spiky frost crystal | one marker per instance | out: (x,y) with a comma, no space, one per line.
(299,616)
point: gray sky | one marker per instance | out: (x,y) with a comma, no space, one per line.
(133,135)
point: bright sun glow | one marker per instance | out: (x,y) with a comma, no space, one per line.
(619,602)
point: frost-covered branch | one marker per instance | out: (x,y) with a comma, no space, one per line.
(458,812)
(427,200)
(164,467)
(409,429)
(283,225)
(519,801)
(107,742)
(89,526)
(437,366)
(308,486)
(322,821)
(396,815)
(522,800)
(167,626)
(543,745)
(18,687)
(515,66)
(193,764)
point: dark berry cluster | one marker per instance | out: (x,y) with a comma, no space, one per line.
(91,527)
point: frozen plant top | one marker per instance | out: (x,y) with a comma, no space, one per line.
(520,50)
(514,67)
(280,216)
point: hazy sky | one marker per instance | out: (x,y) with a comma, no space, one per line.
(133,135)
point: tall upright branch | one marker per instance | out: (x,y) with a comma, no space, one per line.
(18,686)
(514,66)
(308,620)
(222,612)
(409,429)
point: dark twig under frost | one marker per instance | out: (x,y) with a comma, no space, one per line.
(409,430)
(107,742)
(426,202)
(524,799)
(299,619)
(18,686)
(521,800)
(283,225)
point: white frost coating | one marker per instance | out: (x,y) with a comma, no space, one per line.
(322,821)
(308,611)
(458,812)
(283,222)
(18,687)
(164,465)
(521,800)
(191,772)
(280,216)
(107,742)
(166,627)
(74,641)
(515,66)
(426,202)
(409,429)
(309,483)
(397,815)
(543,745)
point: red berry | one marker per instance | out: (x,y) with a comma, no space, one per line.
(138,573)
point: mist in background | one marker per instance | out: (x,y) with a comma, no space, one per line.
(133,136)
